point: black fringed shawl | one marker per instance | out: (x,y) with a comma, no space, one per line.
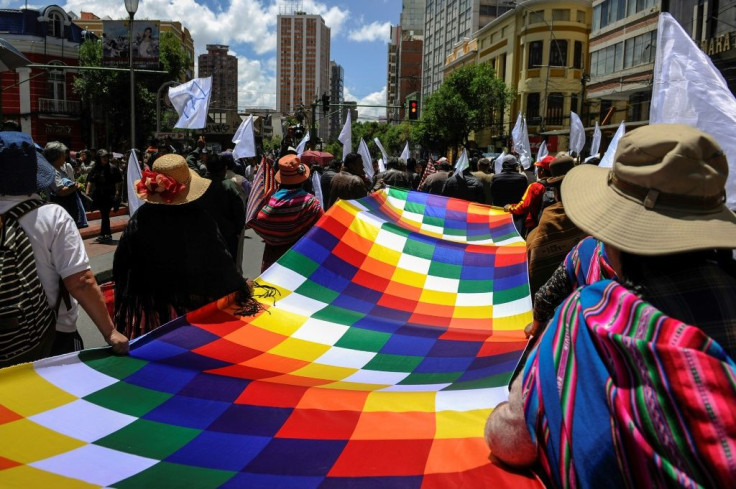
(172,259)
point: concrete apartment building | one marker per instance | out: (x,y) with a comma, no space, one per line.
(445,24)
(223,68)
(302,62)
(404,71)
(337,96)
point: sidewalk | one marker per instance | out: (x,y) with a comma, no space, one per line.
(118,221)
(101,254)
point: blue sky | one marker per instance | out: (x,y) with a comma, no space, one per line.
(360,33)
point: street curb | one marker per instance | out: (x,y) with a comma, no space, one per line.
(103,276)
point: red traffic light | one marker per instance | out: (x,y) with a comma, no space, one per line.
(413,109)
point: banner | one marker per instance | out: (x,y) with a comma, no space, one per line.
(116,43)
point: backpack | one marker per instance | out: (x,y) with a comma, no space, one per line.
(27,322)
(548,198)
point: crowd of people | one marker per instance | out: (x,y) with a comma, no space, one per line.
(628,376)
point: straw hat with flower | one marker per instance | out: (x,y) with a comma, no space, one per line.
(170,182)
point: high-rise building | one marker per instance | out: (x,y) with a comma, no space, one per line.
(302,62)
(445,24)
(412,16)
(404,70)
(223,68)
(337,96)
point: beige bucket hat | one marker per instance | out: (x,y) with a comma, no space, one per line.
(179,184)
(664,194)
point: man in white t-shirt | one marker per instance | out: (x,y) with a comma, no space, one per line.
(59,253)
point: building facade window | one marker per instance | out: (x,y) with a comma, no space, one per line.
(558,53)
(56,85)
(559,14)
(55,25)
(611,11)
(640,50)
(536,17)
(577,56)
(532,107)
(535,54)
(555,109)
(608,60)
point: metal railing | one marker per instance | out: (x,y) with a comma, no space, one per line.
(55,106)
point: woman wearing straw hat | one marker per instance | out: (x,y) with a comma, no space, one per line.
(631,384)
(172,258)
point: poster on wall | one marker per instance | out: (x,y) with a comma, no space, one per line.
(116,43)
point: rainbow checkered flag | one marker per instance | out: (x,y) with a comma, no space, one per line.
(264,185)
(398,323)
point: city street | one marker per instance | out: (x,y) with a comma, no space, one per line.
(101,258)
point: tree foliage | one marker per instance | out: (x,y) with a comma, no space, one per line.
(393,137)
(470,99)
(107,92)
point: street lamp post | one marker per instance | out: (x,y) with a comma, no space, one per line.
(131,6)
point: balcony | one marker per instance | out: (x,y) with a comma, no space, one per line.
(59,107)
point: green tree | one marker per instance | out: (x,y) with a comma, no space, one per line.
(471,99)
(101,90)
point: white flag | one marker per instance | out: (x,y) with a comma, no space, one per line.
(346,137)
(526,158)
(384,156)
(244,139)
(542,152)
(607,160)
(521,144)
(192,101)
(689,89)
(134,173)
(317,187)
(577,134)
(302,144)
(366,156)
(405,154)
(595,145)
(498,163)
(462,163)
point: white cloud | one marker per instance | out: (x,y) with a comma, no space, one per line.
(375,31)
(241,22)
(369,113)
(256,83)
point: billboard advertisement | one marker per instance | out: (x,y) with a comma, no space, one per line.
(116,43)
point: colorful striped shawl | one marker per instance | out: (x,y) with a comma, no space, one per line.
(399,320)
(587,263)
(288,214)
(617,394)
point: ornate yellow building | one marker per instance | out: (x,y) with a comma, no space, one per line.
(540,50)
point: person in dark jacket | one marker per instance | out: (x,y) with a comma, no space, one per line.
(104,182)
(223,202)
(433,183)
(394,176)
(508,186)
(350,183)
(464,186)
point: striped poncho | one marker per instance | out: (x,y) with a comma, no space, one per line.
(617,394)
(288,214)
